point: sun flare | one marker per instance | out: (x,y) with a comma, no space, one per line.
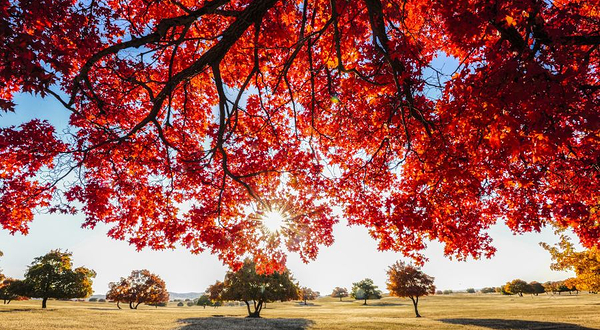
(273,220)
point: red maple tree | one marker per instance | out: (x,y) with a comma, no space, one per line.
(192,118)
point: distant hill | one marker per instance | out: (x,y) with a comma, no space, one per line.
(183,296)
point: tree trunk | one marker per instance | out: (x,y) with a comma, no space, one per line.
(340,298)
(415,303)
(119,307)
(305,302)
(44,300)
(257,309)
(136,305)
(130,305)
(365,301)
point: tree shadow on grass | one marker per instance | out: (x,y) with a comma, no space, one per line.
(501,324)
(242,323)
(384,304)
(22,310)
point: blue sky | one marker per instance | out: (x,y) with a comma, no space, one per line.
(352,257)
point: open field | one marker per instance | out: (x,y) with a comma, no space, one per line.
(458,311)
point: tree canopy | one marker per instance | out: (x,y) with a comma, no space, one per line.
(585,264)
(306,293)
(364,290)
(253,288)
(11,289)
(53,276)
(339,292)
(406,280)
(141,286)
(518,287)
(241,107)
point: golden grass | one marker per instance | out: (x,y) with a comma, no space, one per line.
(452,312)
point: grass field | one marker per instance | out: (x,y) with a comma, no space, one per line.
(458,311)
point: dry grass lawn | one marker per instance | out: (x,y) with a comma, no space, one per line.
(458,311)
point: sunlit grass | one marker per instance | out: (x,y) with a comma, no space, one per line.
(452,312)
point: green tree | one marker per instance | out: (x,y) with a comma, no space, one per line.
(488,290)
(204,301)
(10,289)
(537,288)
(518,287)
(364,290)
(470,290)
(53,276)
(250,287)
(339,293)
(406,280)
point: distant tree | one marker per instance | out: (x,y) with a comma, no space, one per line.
(406,280)
(140,287)
(190,303)
(93,300)
(250,287)
(470,290)
(307,294)
(536,288)
(439,292)
(339,293)
(364,290)
(118,291)
(572,284)
(53,276)
(180,304)
(214,291)
(11,289)
(204,301)
(102,300)
(448,291)
(585,264)
(548,287)
(518,287)
(487,290)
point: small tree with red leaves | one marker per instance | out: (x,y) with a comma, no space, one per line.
(406,280)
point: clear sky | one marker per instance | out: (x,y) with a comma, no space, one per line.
(352,257)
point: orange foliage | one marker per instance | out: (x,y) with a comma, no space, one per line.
(190,119)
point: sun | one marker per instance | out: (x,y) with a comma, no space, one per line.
(273,220)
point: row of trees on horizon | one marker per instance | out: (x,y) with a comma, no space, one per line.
(53,276)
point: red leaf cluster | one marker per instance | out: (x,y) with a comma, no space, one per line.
(190,119)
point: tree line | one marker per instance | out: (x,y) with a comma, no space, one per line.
(255,290)
(53,276)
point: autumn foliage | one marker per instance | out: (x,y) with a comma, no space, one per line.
(190,119)
(585,264)
(254,289)
(406,280)
(141,286)
(339,292)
